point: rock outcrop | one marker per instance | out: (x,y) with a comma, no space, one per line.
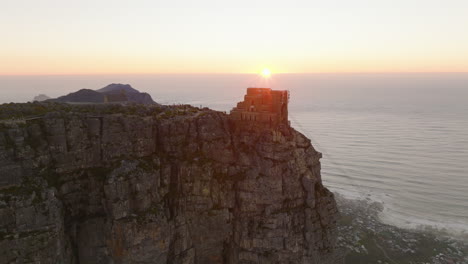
(177,185)
(40,98)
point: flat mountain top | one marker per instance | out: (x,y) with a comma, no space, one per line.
(118,87)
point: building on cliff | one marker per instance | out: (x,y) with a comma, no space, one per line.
(263,105)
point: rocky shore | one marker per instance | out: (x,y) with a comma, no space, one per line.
(367,240)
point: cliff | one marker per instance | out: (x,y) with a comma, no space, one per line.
(169,185)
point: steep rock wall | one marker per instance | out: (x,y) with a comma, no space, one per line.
(179,188)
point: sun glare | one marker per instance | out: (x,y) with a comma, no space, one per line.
(266,73)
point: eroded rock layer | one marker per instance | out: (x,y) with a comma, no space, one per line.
(172,187)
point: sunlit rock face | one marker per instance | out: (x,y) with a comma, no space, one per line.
(179,185)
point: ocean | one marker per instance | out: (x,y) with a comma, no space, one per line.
(397,138)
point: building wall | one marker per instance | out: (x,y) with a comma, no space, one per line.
(263,105)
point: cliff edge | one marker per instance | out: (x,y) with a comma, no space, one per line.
(160,185)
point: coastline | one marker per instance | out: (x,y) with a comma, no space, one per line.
(366,239)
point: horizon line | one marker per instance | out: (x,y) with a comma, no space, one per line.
(233,73)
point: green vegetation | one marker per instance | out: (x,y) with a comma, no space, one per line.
(28,187)
(99,173)
(33,143)
(52,177)
(9,143)
(146,164)
(5,235)
(40,235)
(155,211)
(20,112)
(177,110)
(13,111)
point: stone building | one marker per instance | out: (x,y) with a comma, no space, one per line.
(263,105)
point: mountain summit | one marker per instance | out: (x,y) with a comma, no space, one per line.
(117,88)
(112,93)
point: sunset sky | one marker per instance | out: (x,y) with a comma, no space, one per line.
(93,37)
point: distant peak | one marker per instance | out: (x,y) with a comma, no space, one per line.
(118,87)
(41,97)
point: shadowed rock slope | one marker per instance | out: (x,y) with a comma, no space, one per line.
(175,185)
(112,93)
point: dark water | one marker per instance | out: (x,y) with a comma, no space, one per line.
(401,139)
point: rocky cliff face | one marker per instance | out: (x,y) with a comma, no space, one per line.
(178,186)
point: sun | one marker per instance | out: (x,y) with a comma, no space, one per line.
(266,73)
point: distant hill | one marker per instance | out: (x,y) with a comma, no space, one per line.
(41,97)
(81,96)
(117,88)
(112,93)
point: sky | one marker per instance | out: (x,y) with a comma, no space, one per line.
(242,36)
